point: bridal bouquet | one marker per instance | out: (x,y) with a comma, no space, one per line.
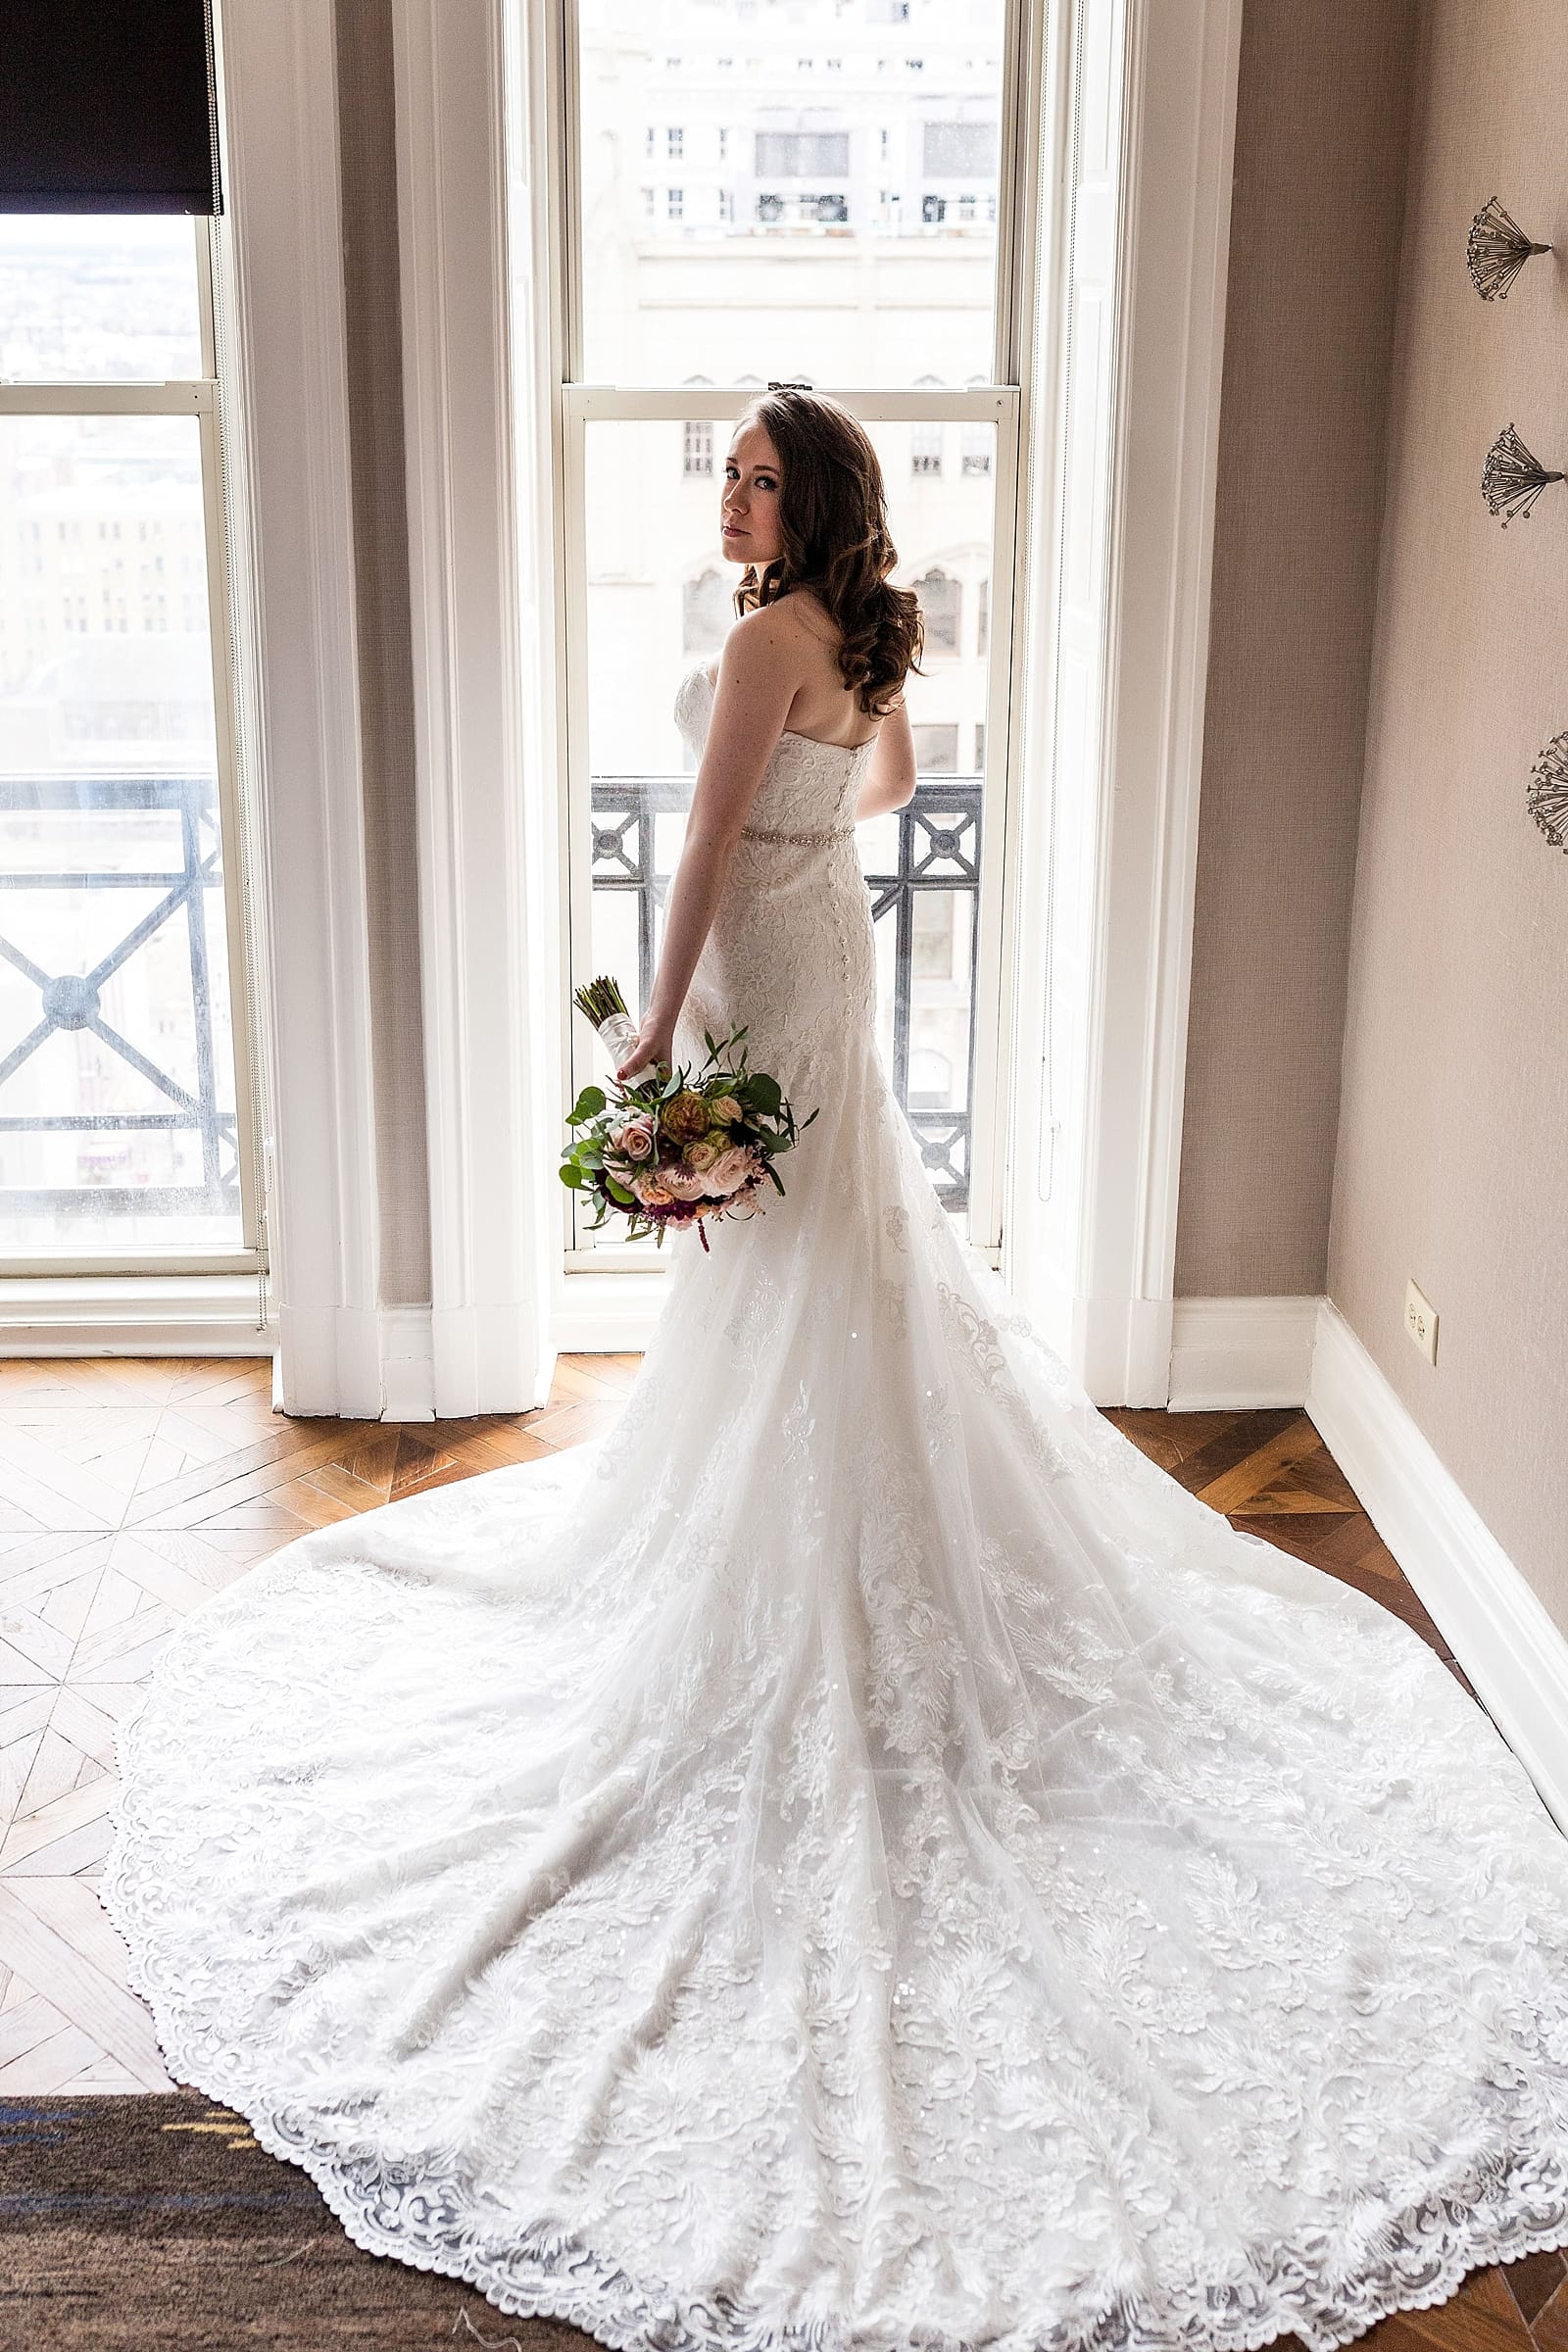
(680,1148)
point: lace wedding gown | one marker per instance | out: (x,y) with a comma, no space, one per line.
(856,1856)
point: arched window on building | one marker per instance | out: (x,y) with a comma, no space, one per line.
(940,603)
(707,609)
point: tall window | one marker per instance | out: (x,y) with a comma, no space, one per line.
(823,266)
(125,1125)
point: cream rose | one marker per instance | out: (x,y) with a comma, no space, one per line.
(725,1109)
(704,1152)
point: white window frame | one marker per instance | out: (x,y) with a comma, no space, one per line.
(996,407)
(280,368)
(1130,108)
(199,397)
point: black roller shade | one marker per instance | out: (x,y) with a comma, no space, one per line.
(108,106)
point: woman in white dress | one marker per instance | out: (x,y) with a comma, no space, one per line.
(855,1858)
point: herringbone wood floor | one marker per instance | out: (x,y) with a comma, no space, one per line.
(131,1490)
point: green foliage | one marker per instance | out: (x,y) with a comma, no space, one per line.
(767,1124)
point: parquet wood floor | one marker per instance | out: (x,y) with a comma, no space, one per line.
(131,1489)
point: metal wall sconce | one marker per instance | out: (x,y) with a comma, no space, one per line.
(1547,795)
(1511,480)
(1496,251)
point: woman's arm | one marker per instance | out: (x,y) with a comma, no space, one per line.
(759,674)
(890,777)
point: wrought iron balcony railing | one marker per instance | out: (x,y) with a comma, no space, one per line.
(73,1000)
(938,849)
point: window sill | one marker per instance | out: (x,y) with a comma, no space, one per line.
(134,1314)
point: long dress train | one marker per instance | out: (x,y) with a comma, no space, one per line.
(856,1857)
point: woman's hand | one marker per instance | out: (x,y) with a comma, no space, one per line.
(655,1042)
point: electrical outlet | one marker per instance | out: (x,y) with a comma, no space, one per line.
(1421,1321)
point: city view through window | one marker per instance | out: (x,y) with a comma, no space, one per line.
(118,1095)
(808,190)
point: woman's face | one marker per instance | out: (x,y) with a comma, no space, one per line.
(748,507)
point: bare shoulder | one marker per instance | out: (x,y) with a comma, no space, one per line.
(769,654)
(761,640)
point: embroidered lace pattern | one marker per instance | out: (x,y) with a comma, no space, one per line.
(857,1858)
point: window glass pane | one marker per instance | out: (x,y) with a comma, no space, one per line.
(659,599)
(117,1066)
(98,298)
(801,191)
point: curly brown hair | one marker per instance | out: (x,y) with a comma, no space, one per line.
(832,512)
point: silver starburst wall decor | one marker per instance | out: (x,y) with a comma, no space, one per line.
(1546,797)
(1511,479)
(1496,251)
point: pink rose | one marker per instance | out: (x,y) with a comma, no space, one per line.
(635,1140)
(732,1169)
(725,1108)
(684,1184)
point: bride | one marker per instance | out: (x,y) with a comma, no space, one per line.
(856,1859)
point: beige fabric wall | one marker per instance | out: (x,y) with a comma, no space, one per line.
(364,32)
(1452,1160)
(1320,160)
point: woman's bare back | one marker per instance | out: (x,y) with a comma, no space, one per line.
(824,709)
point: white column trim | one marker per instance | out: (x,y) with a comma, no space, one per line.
(485,911)
(280,277)
(1113,768)
(1240,1352)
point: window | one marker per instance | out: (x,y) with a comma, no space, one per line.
(802,206)
(800,154)
(936,749)
(812,206)
(960,149)
(793,165)
(674,204)
(125,1091)
(982,627)
(939,597)
(697,457)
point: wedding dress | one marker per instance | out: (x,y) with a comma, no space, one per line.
(856,1857)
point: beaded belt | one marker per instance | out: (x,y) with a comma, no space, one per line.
(803,841)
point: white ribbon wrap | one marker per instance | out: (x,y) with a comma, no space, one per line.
(619,1034)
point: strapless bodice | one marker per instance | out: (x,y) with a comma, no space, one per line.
(808,789)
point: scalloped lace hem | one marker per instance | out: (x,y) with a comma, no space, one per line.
(542,2275)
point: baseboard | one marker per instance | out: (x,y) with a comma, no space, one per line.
(1236,1353)
(1513,1650)
(408,1363)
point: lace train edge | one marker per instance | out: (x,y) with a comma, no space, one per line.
(556,2279)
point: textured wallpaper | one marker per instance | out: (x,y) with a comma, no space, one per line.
(1453,1161)
(1321,143)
